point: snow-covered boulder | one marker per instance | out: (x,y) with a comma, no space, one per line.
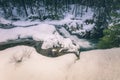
(24,63)
(97,65)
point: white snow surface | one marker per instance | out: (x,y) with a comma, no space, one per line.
(24,63)
(33,66)
(96,65)
(39,32)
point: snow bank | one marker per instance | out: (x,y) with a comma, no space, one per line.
(24,63)
(39,32)
(42,32)
(97,65)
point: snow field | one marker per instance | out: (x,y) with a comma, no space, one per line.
(33,66)
(24,63)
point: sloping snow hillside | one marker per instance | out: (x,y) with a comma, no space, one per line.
(24,63)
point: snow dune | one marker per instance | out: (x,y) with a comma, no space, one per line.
(24,63)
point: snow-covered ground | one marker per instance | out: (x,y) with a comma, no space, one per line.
(24,63)
(44,31)
(41,32)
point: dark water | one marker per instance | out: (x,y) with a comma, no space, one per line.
(93,43)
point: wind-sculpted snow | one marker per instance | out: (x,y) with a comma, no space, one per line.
(24,63)
(97,65)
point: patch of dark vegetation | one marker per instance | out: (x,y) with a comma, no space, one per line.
(44,17)
(111,37)
(15,18)
(53,52)
(48,52)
